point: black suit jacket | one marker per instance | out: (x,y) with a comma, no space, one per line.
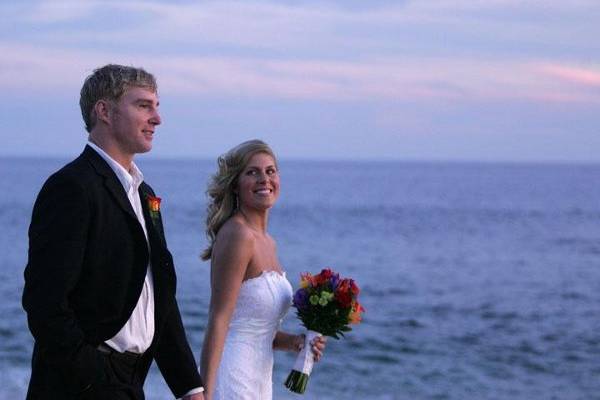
(87,263)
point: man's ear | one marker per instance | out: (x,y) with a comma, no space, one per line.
(103,111)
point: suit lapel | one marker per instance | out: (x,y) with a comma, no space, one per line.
(162,262)
(160,259)
(112,183)
(116,189)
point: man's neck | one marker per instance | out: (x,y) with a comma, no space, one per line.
(125,160)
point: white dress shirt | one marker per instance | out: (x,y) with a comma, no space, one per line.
(137,333)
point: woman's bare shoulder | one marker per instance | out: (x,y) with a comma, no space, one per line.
(235,232)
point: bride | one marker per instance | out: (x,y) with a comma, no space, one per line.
(250,293)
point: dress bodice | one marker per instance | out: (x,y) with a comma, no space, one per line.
(261,305)
(245,371)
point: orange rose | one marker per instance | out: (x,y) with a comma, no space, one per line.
(355,315)
(154,203)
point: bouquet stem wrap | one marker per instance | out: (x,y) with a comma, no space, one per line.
(298,378)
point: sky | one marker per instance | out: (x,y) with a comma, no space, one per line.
(428,80)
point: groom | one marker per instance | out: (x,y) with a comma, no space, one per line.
(100,283)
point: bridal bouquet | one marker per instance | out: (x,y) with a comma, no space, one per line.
(326,304)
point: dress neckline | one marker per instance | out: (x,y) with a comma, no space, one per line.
(264,273)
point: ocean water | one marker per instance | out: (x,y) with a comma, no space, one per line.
(481,281)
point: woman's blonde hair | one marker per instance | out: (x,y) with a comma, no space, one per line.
(223,184)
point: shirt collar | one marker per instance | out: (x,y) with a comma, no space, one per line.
(132,178)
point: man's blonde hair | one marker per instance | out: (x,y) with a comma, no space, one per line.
(110,82)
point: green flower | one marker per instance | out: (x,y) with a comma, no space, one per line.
(326,295)
(314,299)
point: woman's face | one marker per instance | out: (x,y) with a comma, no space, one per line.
(258,184)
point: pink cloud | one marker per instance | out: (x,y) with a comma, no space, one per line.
(581,76)
(29,67)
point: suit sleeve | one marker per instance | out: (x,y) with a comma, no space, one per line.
(174,356)
(57,243)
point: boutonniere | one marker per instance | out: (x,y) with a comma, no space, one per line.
(154,207)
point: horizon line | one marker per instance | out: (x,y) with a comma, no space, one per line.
(384,160)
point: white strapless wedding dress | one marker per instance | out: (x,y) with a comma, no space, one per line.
(246,368)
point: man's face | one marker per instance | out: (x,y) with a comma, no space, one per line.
(133,120)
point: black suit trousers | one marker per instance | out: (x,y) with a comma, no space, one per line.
(126,375)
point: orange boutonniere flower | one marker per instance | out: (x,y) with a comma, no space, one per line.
(154,209)
(153,204)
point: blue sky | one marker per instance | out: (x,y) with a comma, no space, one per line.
(485,80)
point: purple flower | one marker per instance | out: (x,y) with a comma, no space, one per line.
(301,299)
(334,280)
